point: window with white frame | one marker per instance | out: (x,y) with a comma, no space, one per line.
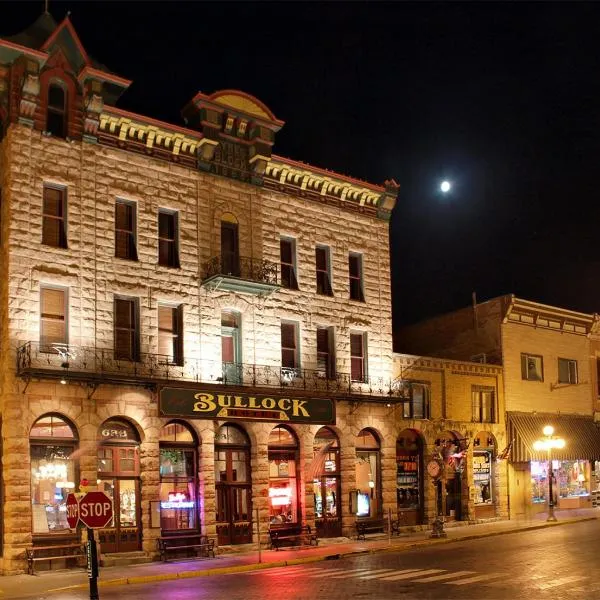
(290,355)
(483,401)
(53,317)
(532,367)
(567,370)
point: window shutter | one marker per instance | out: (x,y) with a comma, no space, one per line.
(476,406)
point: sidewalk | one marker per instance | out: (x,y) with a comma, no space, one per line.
(24,585)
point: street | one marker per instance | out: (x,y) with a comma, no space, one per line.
(559,562)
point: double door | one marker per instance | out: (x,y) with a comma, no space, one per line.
(122,534)
(328,512)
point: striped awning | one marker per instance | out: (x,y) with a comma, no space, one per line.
(581,434)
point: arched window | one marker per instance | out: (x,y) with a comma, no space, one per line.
(178,477)
(368,477)
(53,472)
(326,474)
(283,488)
(56,116)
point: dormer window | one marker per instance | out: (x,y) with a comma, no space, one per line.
(56,119)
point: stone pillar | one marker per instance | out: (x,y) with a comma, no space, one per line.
(259,459)
(305,477)
(150,487)
(388,475)
(16,467)
(206,483)
(348,482)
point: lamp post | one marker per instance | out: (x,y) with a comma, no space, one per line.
(549,442)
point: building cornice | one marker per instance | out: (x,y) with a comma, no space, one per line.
(412,361)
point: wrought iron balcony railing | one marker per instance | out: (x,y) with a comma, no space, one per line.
(96,365)
(240,273)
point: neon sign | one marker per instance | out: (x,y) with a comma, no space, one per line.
(280,496)
(177,500)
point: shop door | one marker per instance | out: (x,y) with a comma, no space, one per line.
(230,249)
(234,496)
(123,533)
(230,355)
(328,518)
(454,498)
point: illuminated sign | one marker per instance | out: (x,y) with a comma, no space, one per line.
(177,500)
(175,402)
(280,496)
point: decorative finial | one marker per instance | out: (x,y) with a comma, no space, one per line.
(46,7)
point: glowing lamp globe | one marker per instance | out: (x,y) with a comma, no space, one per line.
(548,430)
(445,186)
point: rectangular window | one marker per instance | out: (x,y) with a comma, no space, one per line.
(483,403)
(417,404)
(567,370)
(355,270)
(325,352)
(323,266)
(287,250)
(290,358)
(532,367)
(168,251)
(170,333)
(358,356)
(125,230)
(54,217)
(126,319)
(53,318)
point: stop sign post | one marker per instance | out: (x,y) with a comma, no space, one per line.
(94,510)
(72,510)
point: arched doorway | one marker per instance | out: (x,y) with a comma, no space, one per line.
(327,483)
(452,449)
(484,459)
(119,478)
(409,477)
(54,473)
(283,483)
(368,475)
(233,486)
(178,479)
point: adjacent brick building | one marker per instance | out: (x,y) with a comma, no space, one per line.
(550,368)
(194,325)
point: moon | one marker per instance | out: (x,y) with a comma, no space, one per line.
(445,186)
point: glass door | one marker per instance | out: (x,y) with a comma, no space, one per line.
(122,533)
(230,347)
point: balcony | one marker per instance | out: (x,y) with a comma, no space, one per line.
(95,366)
(240,274)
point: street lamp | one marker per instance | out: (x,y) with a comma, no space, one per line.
(550,441)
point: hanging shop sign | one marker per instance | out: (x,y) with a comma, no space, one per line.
(195,404)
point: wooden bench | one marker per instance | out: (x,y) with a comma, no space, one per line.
(176,543)
(292,534)
(50,553)
(365,526)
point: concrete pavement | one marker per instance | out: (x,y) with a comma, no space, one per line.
(25,585)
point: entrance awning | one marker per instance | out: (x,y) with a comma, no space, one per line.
(581,434)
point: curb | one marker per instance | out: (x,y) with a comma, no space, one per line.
(311,559)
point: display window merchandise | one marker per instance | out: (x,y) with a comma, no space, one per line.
(53,442)
(283,488)
(409,476)
(327,483)
(571,482)
(368,481)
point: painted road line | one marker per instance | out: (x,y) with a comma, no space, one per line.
(350,573)
(476,579)
(416,573)
(442,577)
(374,574)
(285,570)
(560,581)
(393,572)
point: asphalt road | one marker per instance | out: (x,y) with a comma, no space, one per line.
(558,563)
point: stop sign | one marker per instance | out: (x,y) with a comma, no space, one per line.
(72,510)
(95,510)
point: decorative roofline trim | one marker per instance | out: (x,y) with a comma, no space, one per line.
(98,74)
(66,22)
(25,50)
(415,361)
(214,97)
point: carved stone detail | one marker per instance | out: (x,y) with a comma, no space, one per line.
(30,95)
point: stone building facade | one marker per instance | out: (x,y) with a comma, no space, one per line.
(459,421)
(151,273)
(548,355)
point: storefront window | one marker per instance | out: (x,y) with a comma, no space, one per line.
(178,481)
(571,479)
(367,475)
(53,472)
(408,470)
(283,489)
(482,476)
(326,483)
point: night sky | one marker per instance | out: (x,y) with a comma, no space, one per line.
(502,99)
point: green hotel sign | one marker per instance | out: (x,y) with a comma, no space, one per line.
(202,404)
